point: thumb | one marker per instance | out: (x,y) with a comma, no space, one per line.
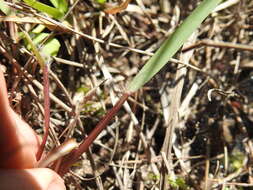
(18,142)
(36,178)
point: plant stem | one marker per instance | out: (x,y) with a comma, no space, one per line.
(83,147)
(46,111)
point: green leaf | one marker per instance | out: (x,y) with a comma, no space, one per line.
(172,45)
(38,29)
(181,183)
(236,159)
(55,13)
(39,38)
(178,182)
(51,48)
(4,8)
(83,89)
(35,50)
(62,5)
(101,1)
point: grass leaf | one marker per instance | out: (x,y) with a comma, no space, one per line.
(61,5)
(51,48)
(54,12)
(172,45)
(4,8)
(35,50)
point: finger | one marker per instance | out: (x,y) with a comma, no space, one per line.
(18,142)
(37,178)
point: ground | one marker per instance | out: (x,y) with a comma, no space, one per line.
(212,137)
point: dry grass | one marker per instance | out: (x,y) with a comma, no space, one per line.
(212,141)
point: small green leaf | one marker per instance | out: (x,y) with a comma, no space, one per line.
(39,38)
(62,5)
(153,176)
(35,50)
(236,159)
(179,182)
(55,13)
(83,89)
(51,48)
(38,29)
(101,1)
(4,8)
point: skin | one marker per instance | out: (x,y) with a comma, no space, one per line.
(18,147)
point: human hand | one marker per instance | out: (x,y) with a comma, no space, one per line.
(18,147)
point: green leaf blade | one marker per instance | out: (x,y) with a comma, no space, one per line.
(4,8)
(172,45)
(51,48)
(62,5)
(55,13)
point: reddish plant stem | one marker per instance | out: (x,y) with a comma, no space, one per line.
(46,111)
(83,147)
